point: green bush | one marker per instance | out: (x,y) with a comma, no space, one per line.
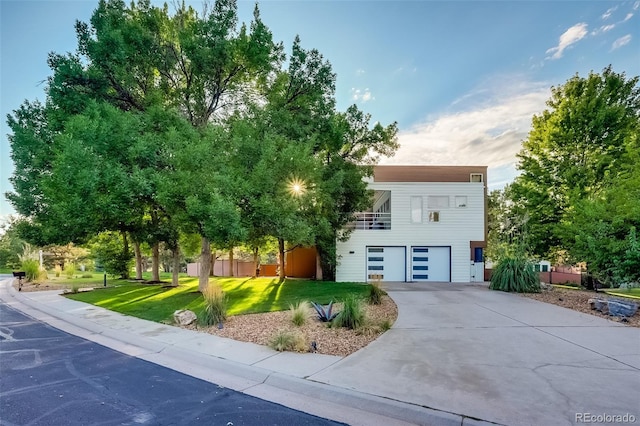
(375,293)
(87,275)
(31,268)
(215,305)
(299,313)
(352,315)
(285,340)
(516,275)
(70,270)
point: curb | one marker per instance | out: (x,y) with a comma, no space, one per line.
(320,399)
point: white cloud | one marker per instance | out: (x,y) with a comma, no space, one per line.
(629,16)
(490,134)
(609,12)
(360,72)
(621,42)
(636,5)
(569,37)
(363,96)
(603,29)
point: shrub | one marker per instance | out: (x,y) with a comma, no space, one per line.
(324,314)
(75,287)
(375,293)
(299,313)
(31,268)
(87,275)
(352,315)
(215,305)
(70,270)
(285,340)
(515,274)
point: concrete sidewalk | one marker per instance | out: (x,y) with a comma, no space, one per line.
(281,377)
(464,351)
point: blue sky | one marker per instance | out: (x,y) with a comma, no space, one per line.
(462,78)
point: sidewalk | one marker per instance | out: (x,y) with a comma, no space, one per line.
(457,353)
(281,377)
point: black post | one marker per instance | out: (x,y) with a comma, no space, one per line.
(105,278)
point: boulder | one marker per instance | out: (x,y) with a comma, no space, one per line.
(622,308)
(600,305)
(184,317)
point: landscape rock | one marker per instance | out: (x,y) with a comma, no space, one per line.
(622,308)
(599,305)
(184,317)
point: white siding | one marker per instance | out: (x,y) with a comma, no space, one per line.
(456,228)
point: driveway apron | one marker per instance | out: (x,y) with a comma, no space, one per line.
(498,357)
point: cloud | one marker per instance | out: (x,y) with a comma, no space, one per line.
(569,37)
(360,72)
(629,16)
(621,42)
(603,29)
(487,134)
(609,12)
(363,96)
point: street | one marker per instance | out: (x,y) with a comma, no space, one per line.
(53,378)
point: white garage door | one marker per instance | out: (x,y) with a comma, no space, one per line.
(387,262)
(431,264)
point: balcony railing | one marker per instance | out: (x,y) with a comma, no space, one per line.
(370,220)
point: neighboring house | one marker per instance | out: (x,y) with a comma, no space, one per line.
(427,223)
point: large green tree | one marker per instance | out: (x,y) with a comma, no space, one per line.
(573,149)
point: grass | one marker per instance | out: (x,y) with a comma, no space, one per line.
(245,295)
(631,293)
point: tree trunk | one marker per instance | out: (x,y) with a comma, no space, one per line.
(136,249)
(231,273)
(176,266)
(205,265)
(256,265)
(125,251)
(155,264)
(281,260)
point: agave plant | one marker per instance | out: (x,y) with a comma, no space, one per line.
(324,313)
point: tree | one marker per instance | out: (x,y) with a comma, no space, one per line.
(602,229)
(573,148)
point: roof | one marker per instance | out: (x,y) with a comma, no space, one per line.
(427,173)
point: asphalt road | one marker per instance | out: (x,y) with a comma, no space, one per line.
(48,377)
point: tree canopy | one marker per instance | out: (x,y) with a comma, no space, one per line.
(164,124)
(580,153)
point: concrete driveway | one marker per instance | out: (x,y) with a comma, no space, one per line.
(498,357)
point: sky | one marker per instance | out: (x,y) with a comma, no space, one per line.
(462,79)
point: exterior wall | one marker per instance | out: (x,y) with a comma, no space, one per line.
(457,228)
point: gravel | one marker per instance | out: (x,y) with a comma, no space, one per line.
(578,300)
(260,328)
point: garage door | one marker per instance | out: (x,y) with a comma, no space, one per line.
(431,264)
(386,262)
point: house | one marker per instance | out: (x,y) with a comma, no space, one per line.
(426,223)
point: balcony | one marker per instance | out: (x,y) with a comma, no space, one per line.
(371,221)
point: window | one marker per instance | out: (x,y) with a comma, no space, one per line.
(438,201)
(434,216)
(416,209)
(476,177)
(376,268)
(376,259)
(420,259)
(461,201)
(376,250)
(545,268)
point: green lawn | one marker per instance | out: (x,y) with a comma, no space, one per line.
(246,295)
(633,293)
